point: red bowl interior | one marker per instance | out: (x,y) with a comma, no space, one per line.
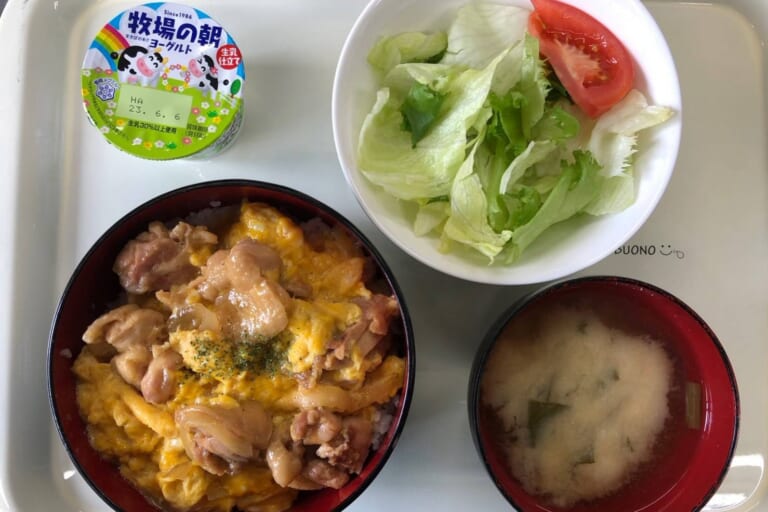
(689,463)
(93,287)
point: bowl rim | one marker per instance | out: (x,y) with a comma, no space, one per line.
(466,269)
(406,393)
(489,340)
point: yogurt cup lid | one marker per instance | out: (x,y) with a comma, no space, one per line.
(163,81)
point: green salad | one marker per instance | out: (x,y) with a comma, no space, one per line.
(475,128)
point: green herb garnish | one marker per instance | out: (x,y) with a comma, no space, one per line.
(538,415)
(420,110)
(223,359)
(588,456)
(257,357)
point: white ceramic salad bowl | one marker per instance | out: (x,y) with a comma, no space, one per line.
(564,248)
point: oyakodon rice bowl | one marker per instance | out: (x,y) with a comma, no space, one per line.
(251,356)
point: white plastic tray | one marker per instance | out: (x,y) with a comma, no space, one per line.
(61,186)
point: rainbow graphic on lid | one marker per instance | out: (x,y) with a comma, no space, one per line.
(109,41)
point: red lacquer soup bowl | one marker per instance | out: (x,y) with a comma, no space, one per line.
(94,288)
(691,451)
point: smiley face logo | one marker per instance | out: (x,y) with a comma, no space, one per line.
(666,249)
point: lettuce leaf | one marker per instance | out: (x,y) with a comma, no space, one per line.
(518,116)
(556,125)
(533,154)
(431,215)
(468,222)
(385,153)
(482,31)
(578,185)
(390,51)
(474,127)
(521,107)
(613,142)
(533,85)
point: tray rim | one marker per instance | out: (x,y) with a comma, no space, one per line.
(13,21)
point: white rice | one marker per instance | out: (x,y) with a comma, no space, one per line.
(382,420)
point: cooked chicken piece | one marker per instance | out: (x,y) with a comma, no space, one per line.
(380,310)
(297,288)
(316,232)
(193,237)
(102,351)
(249,260)
(242,266)
(219,439)
(158,259)
(128,326)
(315,426)
(142,360)
(324,475)
(188,317)
(366,333)
(242,285)
(214,279)
(302,483)
(349,449)
(309,378)
(132,364)
(284,457)
(258,424)
(321,238)
(158,383)
(261,310)
(370,345)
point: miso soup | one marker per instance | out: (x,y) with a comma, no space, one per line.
(579,394)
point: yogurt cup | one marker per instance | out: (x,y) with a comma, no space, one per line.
(164,81)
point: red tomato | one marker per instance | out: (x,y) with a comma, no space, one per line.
(592,64)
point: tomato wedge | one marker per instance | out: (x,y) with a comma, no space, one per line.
(592,64)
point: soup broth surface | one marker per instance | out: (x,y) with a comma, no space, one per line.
(579,403)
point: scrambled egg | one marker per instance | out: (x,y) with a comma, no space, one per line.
(143,438)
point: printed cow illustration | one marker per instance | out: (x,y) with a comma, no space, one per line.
(205,75)
(136,65)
